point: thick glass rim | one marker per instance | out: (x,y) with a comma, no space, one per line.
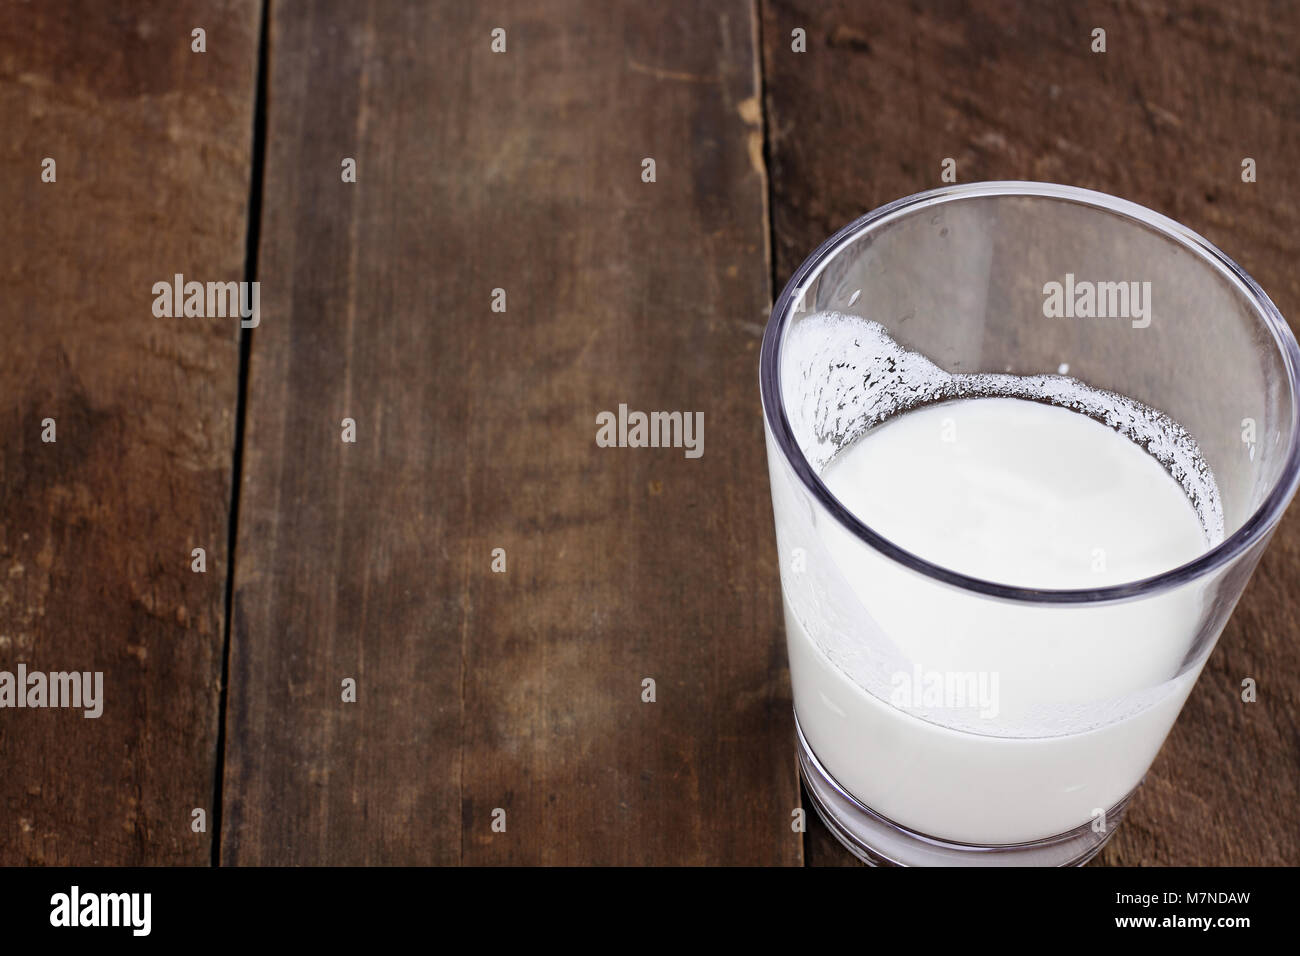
(1259,524)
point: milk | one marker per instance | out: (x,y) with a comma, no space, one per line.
(1018,492)
(1065,705)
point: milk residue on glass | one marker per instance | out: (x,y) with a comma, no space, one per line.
(850,376)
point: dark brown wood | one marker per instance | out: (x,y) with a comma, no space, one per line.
(1164,117)
(151,143)
(476,429)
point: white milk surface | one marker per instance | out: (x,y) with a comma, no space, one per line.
(1015,492)
(1018,492)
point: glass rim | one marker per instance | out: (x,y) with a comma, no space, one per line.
(1254,528)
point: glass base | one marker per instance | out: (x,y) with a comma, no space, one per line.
(878,841)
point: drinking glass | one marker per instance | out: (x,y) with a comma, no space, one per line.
(1089,680)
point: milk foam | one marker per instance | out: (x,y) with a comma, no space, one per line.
(844,374)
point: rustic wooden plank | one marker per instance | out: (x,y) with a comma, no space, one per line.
(476,430)
(1011,90)
(151,143)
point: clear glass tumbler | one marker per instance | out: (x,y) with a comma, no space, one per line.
(1089,680)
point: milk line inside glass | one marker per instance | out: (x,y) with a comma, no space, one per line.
(974,720)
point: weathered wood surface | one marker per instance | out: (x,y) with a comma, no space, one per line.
(151,143)
(476,430)
(1164,117)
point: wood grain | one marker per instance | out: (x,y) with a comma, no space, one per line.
(1164,117)
(519,691)
(151,143)
(522,691)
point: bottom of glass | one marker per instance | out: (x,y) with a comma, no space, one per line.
(879,841)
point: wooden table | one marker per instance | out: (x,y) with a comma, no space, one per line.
(522,171)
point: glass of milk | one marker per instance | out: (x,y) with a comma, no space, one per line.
(1026,444)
